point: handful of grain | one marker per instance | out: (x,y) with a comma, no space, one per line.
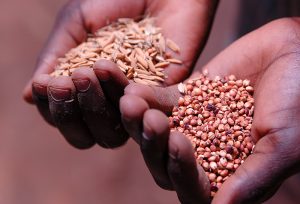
(216,115)
(138,48)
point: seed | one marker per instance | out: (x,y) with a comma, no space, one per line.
(229,166)
(249,89)
(212,176)
(223,161)
(212,158)
(213,165)
(216,115)
(172,45)
(182,89)
(248,105)
(219,180)
(224,172)
(189,111)
(205,165)
(175,61)
(138,48)
(246,82)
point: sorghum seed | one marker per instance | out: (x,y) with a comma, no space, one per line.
(212,177)
(213,165)
(223,161)
(219,179)
(217,116)
(212,158)
(224,172)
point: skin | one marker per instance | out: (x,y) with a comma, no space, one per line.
(269,57)
(83,107)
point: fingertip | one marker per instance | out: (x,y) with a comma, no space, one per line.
(105,64)
(145,92)
(61,88)
(189,180)
(154,146)
(39,86)
(82,72)
(155,124)
(106,70)
(27,93)
(61,82)
(84,79)
(112,80)
(133,107)
(175,74)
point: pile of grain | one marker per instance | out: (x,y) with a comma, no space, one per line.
(138,48)
(216,115)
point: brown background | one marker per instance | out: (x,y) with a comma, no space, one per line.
(36,164)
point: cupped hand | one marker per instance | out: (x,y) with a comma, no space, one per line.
(81,107)
(269,57)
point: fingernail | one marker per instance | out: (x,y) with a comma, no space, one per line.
(148,133)
(146,137)
(39,90)
(82,85)
(173,154)
(102,75)
(59,94)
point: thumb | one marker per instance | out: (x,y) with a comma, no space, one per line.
(160,98)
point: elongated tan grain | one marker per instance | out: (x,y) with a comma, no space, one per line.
(138,49)
(172,45)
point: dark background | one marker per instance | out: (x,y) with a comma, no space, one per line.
(36,164)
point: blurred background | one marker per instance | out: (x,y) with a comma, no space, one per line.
(37,165)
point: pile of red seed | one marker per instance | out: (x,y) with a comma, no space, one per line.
(216,115)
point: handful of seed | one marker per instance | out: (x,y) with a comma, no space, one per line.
(138,48)
(216,115)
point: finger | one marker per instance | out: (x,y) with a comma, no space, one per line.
(40,96)
(160,98)
(154,146)
(132,110)
(66,113)
(101,118)
(189,179)
(188,26)
(262,172)
(112,80)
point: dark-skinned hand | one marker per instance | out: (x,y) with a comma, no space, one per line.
(270,58)
(84,107)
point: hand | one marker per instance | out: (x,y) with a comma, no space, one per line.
(83,108)
(269,57)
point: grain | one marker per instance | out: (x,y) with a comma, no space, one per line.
(138,49)
(216,116)
(172,45)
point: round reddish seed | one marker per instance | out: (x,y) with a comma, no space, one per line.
(217,117)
